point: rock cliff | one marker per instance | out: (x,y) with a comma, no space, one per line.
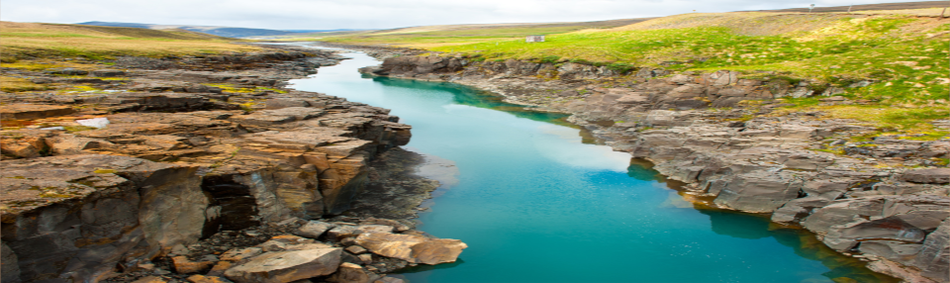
(149,168)
(885,200)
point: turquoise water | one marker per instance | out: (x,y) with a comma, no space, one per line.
(535,204)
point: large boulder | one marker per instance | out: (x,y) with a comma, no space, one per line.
(928,176)
(352,273)
(411,65)
(313,229)
(287,266)
(411,248)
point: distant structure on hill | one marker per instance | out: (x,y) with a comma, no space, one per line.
(534,38)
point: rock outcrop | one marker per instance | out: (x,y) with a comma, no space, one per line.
(80,216)
(182,152)
(894,228)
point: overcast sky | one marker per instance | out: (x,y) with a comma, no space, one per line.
(370,14)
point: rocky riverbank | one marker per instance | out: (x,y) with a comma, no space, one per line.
(882,199)
(202,169)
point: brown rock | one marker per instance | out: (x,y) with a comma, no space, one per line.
(184,266)
(436,251)
(355,249)
(138,207)
(375,228)
(279,103)
(240,254)
(389,279)
(166,142)
(23,147)
(69,144)
(397,226)
(220,268)
(288,266)
(107,73)
(343,231)
(350,273)
(366,258)
(928,176)
(348,241)
(150,279)
(207,279)
(33,111)
(313,229)
(416,249)
(291,243)
(346,231)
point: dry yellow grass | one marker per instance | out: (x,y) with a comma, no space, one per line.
(930,12)
(744,23)
(768,23)
(25,40)
(43,64)
(11,84)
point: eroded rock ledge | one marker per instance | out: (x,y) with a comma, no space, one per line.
(868,200)
(199,169)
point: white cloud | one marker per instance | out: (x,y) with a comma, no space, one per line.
(321,14)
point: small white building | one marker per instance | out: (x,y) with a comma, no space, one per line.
(534,38)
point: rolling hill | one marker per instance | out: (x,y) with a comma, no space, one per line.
(451,35)
(214,30)
(35,40)
(442,35)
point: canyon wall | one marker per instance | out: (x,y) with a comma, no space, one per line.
(182,150)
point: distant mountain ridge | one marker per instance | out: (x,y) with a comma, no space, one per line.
(214,30)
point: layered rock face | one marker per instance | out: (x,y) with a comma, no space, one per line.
(65,216)
(862,198)
(102,182)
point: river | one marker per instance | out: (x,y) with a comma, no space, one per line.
(536,204)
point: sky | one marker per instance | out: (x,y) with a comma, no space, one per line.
(371,14)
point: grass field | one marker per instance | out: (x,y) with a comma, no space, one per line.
(903,53)
(449,35)
(33,40)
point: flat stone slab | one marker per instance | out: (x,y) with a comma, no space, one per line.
(411,248)
(288,266)
(33,111)
(928,176)
(31,183)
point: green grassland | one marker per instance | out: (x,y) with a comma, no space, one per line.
(903,53)
(908,55)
